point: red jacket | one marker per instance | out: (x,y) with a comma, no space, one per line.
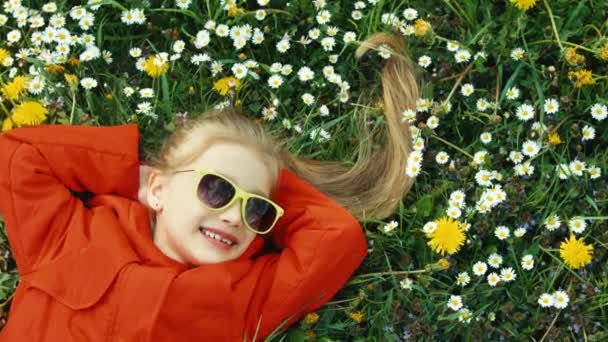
(92,272)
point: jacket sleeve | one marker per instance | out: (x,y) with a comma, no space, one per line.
(41,166)
(322,244)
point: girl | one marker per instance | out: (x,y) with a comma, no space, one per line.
(176,250)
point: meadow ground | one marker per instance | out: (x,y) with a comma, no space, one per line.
(503,235)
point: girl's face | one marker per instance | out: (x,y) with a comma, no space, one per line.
(181,216)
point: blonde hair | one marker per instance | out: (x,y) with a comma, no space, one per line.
(370,188)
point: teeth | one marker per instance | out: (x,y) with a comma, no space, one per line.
(217,237)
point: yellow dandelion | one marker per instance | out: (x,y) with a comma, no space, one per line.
(223,85)
(575,253)
(421,27)
(443,263)
(524,4)
(311,318)
(573,58)
(155,66)
(311,334)
(234,10)
(55,68)
(74,61)
(109,96)
(15,88)
(357,316)
(604,52)
(4,54)
(71,79)
(7,124)
(554,138)
(582,77)
(29,113)
(447,237)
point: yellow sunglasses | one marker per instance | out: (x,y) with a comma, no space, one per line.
(218,192)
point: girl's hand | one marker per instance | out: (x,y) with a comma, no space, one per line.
(144,172)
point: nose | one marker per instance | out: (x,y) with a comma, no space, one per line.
(232,214)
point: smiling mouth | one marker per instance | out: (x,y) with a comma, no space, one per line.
(217,238)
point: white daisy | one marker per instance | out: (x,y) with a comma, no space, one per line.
(594,172)
(588,133)
(275,81)
(349,37)
(389,227)
(356,15)
(323,17)
(239,70)
(432,122)
(412,169)
(485,137)
(146,93)
(286,70)
(442,158)
(599,111)
(462,56)
(424,61)
(552,222)
(410,14)
(452,46)
(464,315)
(260,14)
(406,284)
(577,167)
(183,4)
(88,83)
(493,279)
(463,279)
(507,274)
(36,85)
(527,262)
(525,112)
(429,227)
(551,106)
(501,232)
(516,157)
(328,43)
(480,268)
(560,299)
(482,104)
(517,53)
(495,260)
(530,148)
(455,303)
(545,300)
(467,89)
(519,232)
(512,93)
(283,45)
(305,74)
(308,99)
(128,91)
(577,224)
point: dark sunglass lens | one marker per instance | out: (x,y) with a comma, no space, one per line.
(260,214)
(215,191)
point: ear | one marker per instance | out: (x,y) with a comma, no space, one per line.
(157,183)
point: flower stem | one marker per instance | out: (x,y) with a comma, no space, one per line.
(563,42)
(559,42)
(452,145)
(367,275)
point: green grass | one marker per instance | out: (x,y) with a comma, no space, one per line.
(392,313)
